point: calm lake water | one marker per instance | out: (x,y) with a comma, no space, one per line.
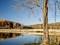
(19,40)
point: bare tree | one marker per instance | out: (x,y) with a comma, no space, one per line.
(45,23)
(31,4)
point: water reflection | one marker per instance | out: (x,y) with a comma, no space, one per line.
(8,35)
(25,38)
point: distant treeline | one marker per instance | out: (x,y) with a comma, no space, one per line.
(7,24)
(12,25)
(50,26)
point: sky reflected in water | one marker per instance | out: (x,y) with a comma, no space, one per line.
(19,40)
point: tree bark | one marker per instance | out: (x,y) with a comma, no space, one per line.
(45,23)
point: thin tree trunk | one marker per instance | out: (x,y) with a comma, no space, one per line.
(45,23)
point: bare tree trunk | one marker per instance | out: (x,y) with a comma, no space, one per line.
(45,23)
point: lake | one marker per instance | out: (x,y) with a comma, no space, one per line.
(19,40)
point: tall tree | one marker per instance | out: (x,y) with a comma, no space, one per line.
(45,22)
(31,4)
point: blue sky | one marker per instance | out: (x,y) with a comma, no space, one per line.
(15,15)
